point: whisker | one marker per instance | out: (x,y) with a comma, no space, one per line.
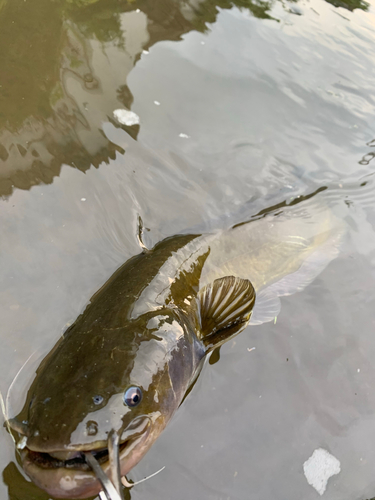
(14,380)
(5,414)
(126,483)
(4,404)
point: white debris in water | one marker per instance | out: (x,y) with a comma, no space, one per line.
(145,52)
(184,136)
(157,103)
(126,117)
(319,468)
(358,370)
(83,199)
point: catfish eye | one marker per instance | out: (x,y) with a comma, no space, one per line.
(132,396)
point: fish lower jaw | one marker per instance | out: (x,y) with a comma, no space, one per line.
(62,482)
(63,479)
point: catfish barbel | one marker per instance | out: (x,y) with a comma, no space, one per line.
(117,375)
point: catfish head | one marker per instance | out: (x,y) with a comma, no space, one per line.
(109,392)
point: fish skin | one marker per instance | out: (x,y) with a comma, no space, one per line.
(142,329)
(102,354)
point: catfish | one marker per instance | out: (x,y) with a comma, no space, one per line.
(117,375)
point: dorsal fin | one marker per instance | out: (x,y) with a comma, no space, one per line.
(224,309)
(140,234)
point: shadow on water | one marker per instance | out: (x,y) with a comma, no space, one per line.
(19,488)
(52,106)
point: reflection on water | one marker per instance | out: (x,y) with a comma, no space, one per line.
(65,71)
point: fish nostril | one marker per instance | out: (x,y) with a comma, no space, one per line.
(97,400)
(92,428)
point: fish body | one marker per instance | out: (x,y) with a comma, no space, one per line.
(125,365)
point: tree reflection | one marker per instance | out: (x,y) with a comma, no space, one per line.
(54,95)
(350,4)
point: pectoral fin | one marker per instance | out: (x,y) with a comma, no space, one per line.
(224,309)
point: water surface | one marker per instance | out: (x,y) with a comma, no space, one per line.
(241,105)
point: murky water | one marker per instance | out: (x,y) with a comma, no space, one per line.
(241,105)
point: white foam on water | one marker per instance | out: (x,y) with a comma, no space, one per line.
(126,117)
(319,468)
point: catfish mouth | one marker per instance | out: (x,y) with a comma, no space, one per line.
(74,459)
(77,460)
(65,473)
